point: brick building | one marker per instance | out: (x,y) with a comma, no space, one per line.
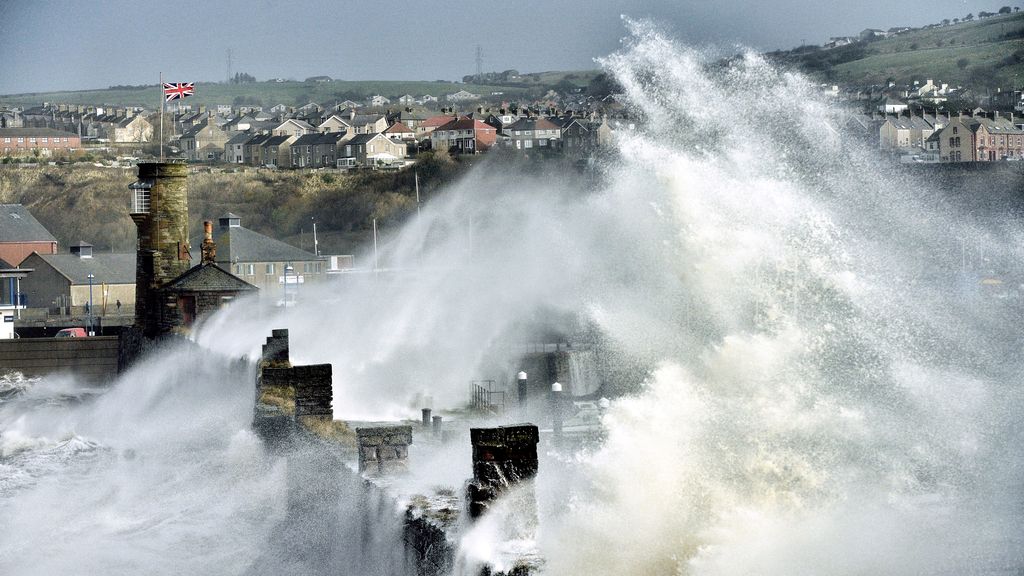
(19,141)
(21,234)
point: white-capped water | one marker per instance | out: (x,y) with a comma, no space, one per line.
(822,395)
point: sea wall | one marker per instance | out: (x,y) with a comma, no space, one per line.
(94,358)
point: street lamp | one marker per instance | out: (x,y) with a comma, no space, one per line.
(287,270)
(91,276)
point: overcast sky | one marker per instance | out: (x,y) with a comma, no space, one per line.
(83,44)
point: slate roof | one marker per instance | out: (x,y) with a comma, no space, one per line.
(258,140)
(238,244)
(307,140)
(17,224)
(34,132)
(362,138)
(208,278)
(107,268)
(364,119)
(532,124)
(240,138)
(275,141)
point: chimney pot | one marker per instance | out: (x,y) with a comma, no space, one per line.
(209,248)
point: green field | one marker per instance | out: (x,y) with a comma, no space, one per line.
(938,63)
(299,93)
(992,48)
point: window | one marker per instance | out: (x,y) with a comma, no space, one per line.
(31,140)
(21,140)
(46,140)
(250,269)
(270,268)
(954,129)
(7,140)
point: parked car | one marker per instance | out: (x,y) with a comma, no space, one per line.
(72,333)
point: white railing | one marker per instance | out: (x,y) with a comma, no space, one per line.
(140,201)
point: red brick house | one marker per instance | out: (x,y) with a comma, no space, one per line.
(465,135)
(18,141)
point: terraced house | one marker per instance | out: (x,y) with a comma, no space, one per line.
(536,132)
(47,141)
(981,139)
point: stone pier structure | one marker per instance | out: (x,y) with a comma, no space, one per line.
(502,457)
(288,395)
(160,212)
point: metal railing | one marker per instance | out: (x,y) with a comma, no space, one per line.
(483,397)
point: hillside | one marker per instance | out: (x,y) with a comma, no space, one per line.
(291,93)
(83,202)
(985,53)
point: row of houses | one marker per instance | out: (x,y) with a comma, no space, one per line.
(120,125)
(350,138)
(978,137)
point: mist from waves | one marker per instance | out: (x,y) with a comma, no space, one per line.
(828,388)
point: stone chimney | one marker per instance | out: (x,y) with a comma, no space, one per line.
(209,248)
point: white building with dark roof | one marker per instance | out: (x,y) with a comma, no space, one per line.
(60,281)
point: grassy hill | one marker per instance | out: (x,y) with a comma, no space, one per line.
(84,202)
(984,53)
(292,93)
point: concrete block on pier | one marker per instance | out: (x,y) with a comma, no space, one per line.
(384,449)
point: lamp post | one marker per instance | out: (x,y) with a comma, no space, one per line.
(556,412)
(91,276)
(287,269)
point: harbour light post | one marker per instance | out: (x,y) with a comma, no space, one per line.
(91,276)
(287,270)
(521,388)
(556,412)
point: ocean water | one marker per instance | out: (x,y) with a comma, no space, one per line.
(826,384)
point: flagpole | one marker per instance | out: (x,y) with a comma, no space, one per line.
(161,116)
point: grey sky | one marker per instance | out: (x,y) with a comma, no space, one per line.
(76,45)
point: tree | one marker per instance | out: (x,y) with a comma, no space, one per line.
(956,20)
(945,21)
(1004,10)
(962,63)
(969,17)
(242,78)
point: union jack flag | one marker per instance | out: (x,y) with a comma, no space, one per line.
(178,90)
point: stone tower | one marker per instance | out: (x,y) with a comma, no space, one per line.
(160,211)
